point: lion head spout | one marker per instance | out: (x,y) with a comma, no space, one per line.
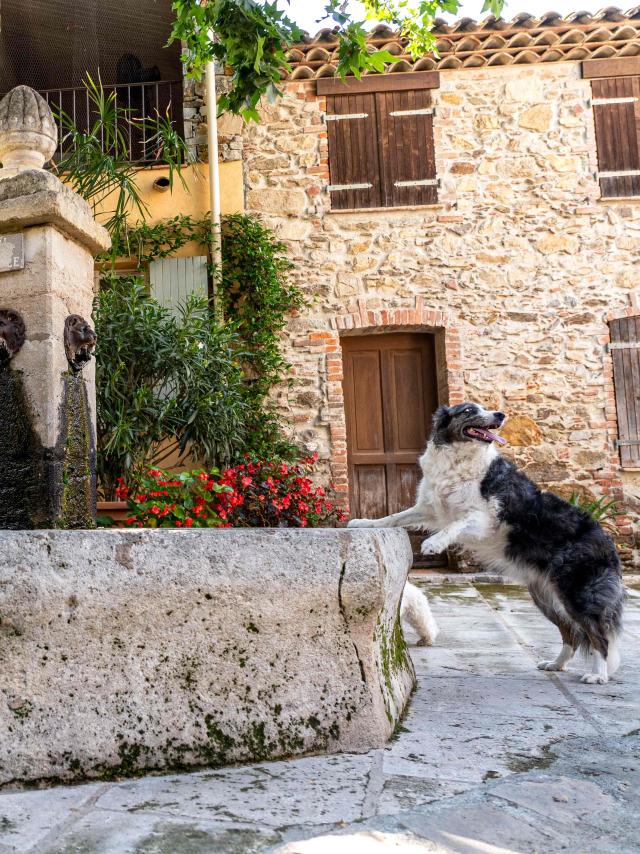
(79,341)
(12,334)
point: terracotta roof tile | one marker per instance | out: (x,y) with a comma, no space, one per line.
(467,43)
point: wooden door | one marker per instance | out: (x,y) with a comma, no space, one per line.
(390,395)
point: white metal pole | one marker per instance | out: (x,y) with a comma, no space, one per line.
(214,168)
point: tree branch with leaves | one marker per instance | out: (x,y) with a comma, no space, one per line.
(252,38)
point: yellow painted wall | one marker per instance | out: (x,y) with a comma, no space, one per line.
(192,200)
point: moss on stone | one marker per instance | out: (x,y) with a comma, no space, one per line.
(46,487)
(25,466)
(78,480)
(393,658)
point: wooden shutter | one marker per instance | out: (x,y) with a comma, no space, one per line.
(625,351)
(616,113)
(615,90)
(407,156)
(173,280)
(353,156)
(380,133)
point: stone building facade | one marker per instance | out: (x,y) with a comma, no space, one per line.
(517,269)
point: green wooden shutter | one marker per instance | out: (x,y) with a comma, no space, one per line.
(174,280)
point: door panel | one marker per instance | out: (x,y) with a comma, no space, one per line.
(371,490)
(405,398)
(367,398)
(390,396)
(406,479)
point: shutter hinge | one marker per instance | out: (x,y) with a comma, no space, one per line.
(336,188)
(601,102)
(618,173)
(623,345)
(335,117)
(624,443)
(426,111)
(426,182)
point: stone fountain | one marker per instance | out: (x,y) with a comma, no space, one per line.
(48,239)
(135,650)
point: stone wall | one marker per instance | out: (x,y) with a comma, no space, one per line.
(131,651)
(520,265)
(196,110)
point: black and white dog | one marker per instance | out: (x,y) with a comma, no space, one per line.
(472,497)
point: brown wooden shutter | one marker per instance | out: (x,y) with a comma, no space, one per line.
(353,152)
(381,154)
(625,351)
(616,113)
(407,156)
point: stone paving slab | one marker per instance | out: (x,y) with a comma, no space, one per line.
(493,756)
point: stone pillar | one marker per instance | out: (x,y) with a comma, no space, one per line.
(48,240)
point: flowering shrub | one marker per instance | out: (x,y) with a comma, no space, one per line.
(275,494)
(253,494)
(162,500)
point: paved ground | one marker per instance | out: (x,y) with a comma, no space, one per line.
(493,756)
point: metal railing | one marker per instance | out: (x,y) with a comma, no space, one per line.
(140,100)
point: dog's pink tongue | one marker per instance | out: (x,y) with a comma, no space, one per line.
(496,438)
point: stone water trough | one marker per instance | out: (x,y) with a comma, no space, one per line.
(123,651)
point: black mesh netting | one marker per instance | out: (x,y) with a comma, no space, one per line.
(52,44)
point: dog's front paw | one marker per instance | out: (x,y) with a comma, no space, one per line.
(361,523)
(432,546)
(551,665)
(594,679)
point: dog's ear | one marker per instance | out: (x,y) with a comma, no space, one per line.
(441,418)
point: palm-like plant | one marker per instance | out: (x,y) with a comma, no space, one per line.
(98,164)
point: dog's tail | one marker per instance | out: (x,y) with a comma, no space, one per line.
(416,611)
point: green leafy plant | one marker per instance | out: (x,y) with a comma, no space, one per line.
(253,37)
(166,388)
(146,242)
(256,295)
(97,164)
(603,510)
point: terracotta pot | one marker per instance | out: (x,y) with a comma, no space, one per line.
(118,510)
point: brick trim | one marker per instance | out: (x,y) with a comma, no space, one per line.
(419,318)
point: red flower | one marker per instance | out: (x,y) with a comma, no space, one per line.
(188,522)
(203,476)
(155,510)
(246,481)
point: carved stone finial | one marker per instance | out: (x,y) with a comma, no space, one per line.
(12,335)
(79,341)
(28,132)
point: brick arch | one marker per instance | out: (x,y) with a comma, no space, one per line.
(368,320)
